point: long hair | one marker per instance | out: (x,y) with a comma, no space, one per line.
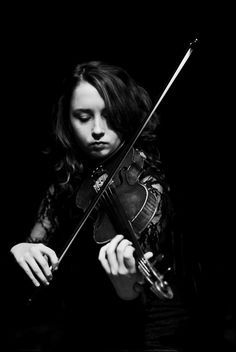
(127,104)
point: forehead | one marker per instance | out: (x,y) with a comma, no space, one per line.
(86,96)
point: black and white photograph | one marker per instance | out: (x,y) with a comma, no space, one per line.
(113,176)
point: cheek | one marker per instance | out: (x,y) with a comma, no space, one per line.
(115,138)
(80,132)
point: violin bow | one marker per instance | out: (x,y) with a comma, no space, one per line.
(127,149)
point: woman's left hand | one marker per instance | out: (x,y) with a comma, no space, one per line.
(118,261)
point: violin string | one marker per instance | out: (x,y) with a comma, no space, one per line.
(143,265)
(143,269)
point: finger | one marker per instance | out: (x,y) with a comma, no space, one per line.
(36,270)
(40,254)
(51,255)
(43,264)
(111,254)
(121,248)
(148,255)
(129,260)
(103,260)
(115,240)
(28,271)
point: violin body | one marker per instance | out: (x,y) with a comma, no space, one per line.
(139,203)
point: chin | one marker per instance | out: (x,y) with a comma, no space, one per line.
(99,155)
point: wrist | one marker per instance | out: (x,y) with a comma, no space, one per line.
(127,293)
(127,288)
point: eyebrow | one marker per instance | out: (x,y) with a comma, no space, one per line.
(86,110)
(81,110)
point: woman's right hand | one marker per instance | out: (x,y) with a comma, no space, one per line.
(37,260)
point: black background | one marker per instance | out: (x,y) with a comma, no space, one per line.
(39,47)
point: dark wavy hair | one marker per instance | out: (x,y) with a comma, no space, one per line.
(127,104)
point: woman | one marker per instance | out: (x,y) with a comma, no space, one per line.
(105,297)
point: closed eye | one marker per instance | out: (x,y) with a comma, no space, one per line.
(86,114)
(82,114)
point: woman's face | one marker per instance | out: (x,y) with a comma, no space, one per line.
(88,118)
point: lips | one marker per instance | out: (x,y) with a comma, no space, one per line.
(98,145)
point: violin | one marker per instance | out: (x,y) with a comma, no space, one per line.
(126,207)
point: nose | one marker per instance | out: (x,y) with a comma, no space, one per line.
(98,130)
